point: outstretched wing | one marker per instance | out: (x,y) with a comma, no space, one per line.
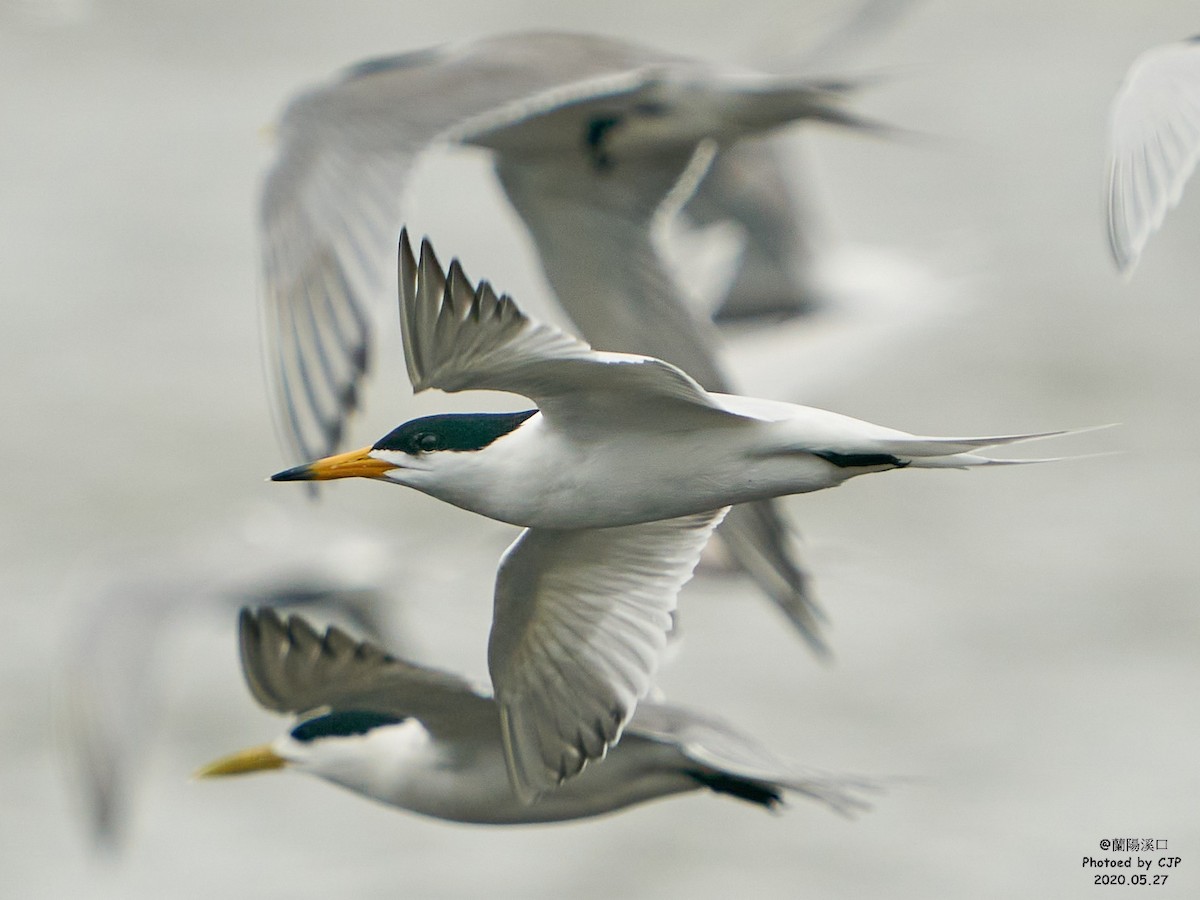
(1154,141)
(580,620)
(458,337)
(754,185)
(292,668)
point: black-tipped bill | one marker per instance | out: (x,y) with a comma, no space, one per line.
(355,464)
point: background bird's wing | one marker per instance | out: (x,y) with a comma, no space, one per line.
(623,163)
(292,668)
(580,620)
(1154,141)
(330,204)
(458,337)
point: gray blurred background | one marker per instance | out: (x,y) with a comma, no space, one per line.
(1021,644)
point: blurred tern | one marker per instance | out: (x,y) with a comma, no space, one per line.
(426,741)
(592,139)
(1154,142)
(616,438)
(582,129)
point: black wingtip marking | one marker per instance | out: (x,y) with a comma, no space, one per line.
(860,460)
(763,793)
(382,64)
(427,254)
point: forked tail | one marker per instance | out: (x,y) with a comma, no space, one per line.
(958,453)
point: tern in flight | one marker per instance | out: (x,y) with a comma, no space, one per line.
(428,742)
(615,439)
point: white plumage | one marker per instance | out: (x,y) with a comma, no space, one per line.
(589,136)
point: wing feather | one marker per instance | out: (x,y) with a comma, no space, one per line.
(581,618)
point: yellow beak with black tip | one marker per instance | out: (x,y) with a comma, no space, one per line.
(253,759)
(354,464)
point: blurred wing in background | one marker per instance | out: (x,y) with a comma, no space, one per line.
(452,771)
(1154,141)
(581,620)
(710,743)
(748,184)
(591,137)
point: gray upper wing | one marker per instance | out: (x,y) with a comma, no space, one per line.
(460,337)
(290,667)
(583,216)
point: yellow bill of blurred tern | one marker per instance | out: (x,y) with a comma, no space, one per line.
(1154,142)
(427,741)
(615,439)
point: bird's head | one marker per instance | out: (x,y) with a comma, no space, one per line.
(338,745)
(416,452)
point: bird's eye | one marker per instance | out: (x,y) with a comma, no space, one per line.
(428,441)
